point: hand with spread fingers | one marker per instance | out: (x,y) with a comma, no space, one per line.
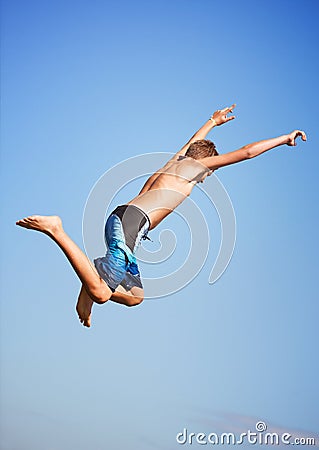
(291,138)
(220,116)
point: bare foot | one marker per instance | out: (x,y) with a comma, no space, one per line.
(46,224)
(84,308)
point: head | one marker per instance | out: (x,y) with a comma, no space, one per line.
(201,149)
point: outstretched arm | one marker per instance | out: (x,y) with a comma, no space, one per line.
(252,150)
(218,118)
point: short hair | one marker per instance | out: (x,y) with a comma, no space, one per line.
(201,149)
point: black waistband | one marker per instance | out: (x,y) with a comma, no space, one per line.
(133,220)
(132,211)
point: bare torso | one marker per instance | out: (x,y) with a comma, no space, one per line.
(174,182)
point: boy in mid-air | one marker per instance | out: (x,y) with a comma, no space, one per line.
(116,276)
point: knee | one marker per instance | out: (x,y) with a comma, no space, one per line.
(101,295)
(100,300)
(136,301)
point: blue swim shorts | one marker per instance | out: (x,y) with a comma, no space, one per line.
(126,226)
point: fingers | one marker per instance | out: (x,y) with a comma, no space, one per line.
(228,109)
(222,113)
(302,134)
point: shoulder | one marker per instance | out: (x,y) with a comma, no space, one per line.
(190,168)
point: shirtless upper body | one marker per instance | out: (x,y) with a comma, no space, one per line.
(171,184)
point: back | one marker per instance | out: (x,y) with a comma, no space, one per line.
(174,182)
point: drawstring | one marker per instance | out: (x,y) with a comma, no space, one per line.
(145,237)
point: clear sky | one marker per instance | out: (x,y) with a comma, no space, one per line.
(88,84)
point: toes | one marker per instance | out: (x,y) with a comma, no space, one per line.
(85,322)
(23,224)
(26,220)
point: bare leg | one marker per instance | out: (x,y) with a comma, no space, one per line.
(95,287)
(129,298)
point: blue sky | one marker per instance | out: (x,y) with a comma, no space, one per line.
(86,85)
